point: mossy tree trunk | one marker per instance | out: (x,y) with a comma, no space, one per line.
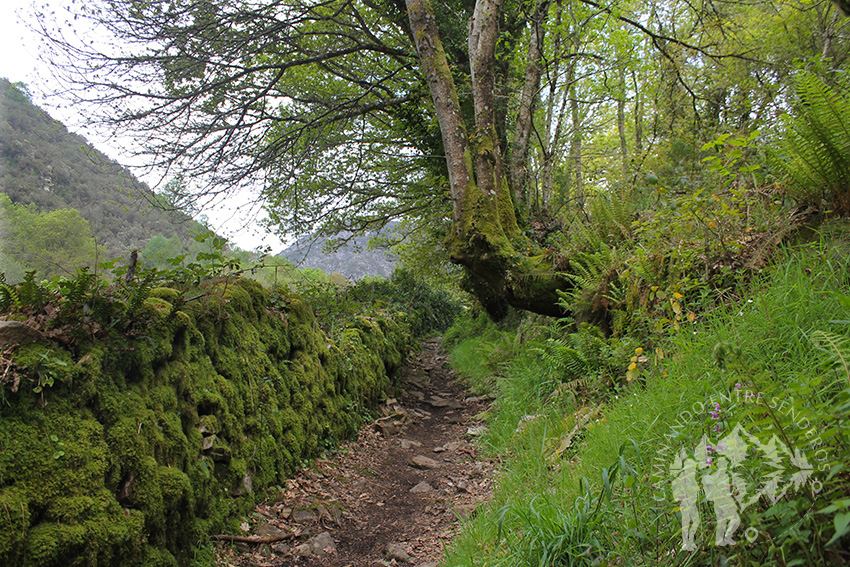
(485,237)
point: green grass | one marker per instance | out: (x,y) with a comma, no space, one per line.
(540,514)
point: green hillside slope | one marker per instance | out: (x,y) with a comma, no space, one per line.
(43,164)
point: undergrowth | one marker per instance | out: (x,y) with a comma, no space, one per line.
(601,470)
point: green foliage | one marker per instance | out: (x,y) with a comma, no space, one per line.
(51,243)
(133,447)
(49,168)
(479,348)
(429,309)
(31,294)
(46,369)
(773,363)
(560,537)
(473,322)
(838,349)
(585,359)
(8,297)
(633,271)
(815,147)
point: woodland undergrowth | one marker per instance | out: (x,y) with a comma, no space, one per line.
(707,330)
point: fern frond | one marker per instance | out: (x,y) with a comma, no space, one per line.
(816,147)
(836,346)
(8,297)
(612,217)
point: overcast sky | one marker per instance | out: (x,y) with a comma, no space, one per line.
(17,52)
(19,63)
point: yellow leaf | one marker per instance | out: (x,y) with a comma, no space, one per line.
(676,307)
(633,359)
(678,295)
(632,366)
(692,316)
(659,352)
(639,351)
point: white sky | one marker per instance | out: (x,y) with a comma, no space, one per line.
(19,63)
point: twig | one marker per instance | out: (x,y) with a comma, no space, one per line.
(252,539)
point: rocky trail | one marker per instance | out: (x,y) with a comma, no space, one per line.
(394,496)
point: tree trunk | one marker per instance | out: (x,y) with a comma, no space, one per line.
(575,147)
(485,237)
(638,116)
(621,117)
(435,67)
(552,139)
(525,113)
(551,130)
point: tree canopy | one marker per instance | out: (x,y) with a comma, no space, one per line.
(480,120)
(54,243)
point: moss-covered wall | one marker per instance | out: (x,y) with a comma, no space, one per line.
(147,443)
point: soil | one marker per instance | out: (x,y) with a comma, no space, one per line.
(395,496)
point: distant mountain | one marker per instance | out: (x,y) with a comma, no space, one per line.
(353,260)
(43,164)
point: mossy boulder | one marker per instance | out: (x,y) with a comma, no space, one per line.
(145,444)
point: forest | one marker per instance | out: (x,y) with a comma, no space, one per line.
(633,215)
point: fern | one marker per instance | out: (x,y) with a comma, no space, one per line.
(816,147)
(77,291)
(136,294)
(8,297)
(31,294)
(836,346)
(595,278)
(559,355)
(612,217)
(575,355)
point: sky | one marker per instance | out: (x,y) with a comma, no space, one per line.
(19,63)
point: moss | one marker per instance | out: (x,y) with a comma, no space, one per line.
(170,295)
(147,442)
(156,309)
(15,521)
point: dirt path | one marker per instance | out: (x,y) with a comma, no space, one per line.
(393,496)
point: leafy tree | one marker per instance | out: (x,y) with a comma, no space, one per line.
(159,250)
(349,113)
(54,243)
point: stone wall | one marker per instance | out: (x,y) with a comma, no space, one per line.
(147,443)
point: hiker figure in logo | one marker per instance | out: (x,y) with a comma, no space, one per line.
(686,491)
(725,487)
(718,490)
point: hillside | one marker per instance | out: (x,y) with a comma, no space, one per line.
(43,164)
(354,259)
